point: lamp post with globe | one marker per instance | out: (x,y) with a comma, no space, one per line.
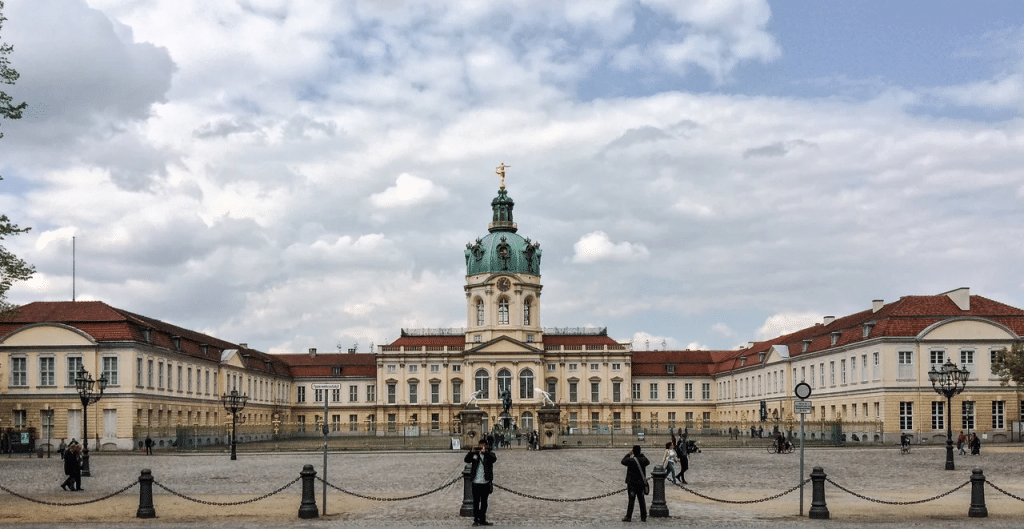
(86,387)
(234,402)
(949,381)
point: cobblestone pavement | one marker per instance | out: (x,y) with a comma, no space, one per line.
(733,474)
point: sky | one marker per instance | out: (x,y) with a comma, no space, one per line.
(700,174)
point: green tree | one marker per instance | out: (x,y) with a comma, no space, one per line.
(1009,365)
(11,267)
(8,75)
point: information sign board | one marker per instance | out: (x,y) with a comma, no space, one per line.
(802,406)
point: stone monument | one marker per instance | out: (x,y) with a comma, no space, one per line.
(472,426)
(547,417)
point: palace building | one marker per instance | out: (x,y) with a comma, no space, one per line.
(867,370)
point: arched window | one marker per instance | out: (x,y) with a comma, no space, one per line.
(526,384)
(526,311)
(483,381)
(527,421)
(504,381)
(479,312)
(503,311)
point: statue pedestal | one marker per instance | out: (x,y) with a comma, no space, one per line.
(548,417)
(472,427)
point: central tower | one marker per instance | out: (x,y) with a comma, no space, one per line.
(503,279)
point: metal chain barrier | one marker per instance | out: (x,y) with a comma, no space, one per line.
(226,503)
(863,497)
(69,504)
(738,502)
(561,500)
(1010,494)
(379,498)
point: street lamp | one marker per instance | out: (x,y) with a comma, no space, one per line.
(948,381)
(87,393)
(234,402)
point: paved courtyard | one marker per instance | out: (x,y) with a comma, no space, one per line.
(732,474)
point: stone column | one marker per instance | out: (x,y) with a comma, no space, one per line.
(978,509)
(548,418)
(659,509)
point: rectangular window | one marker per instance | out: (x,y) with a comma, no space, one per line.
(688,391)
(46,371)
(392,368)
(435,368)
(189,380)
(318,395)
(998,409)
(967,362)
(832,373)
(654,391)
(705,391)
(552,367)
(595,420)
(573,367)
(353,393)
(853,369)
(392,422)
(110,370)
(595,367)
(906,416)
(616,391)
(636,391)
(671,419)
(863,368)
(336,394)
(413,392)
(160,376)
(595,392)
(435,421)
(300,394)
(20,418)
(553,389)
(811,380)
(138,371)
(617,420)
(842,372)
(371,393)
(876,363)
(456,368)
(967,415)
(435,392)
(149,374)
(574,419)
(937,357)
(573,390)
(616,367)
(179,379)
(670,391)
(821,374)
(938,415)
(392,393)
(413,368)
(905,365)
(206,386)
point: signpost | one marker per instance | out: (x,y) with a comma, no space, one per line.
(803,407)
(326,429)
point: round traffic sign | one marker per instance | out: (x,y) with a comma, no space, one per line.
(802,390)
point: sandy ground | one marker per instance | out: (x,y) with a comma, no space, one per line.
(733,474)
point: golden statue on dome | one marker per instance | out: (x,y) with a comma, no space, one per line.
(500,171)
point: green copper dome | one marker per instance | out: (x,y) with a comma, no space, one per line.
(502,250)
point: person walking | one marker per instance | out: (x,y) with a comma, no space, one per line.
(961,443)
(670,460)
(975,445)
(482,471)
(61,448)
(73,468)
(636,480)
(149,446)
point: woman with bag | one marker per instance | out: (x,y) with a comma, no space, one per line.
(73,468)
(670,460)
(636,481)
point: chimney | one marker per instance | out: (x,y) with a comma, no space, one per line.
(312,352)
(962,297)
(829,319)
(750,344)
(876,305)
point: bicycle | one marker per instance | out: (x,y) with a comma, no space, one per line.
(773,448)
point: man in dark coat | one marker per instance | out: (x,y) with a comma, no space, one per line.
(636,475)
(73,468)
(482,473)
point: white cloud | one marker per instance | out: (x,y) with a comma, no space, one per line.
(409,190)
(596,246)
(723,329)
(784,323)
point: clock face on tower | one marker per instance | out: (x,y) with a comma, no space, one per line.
(504,284)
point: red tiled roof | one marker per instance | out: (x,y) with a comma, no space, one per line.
(322,365)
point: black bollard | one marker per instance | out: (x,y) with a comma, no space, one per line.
(659,509)
(467,491)
(819,510)
(978,509)
(146,509)
(308,507)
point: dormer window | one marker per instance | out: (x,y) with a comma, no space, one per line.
(336,370)
(743,361)
(204,348)
(807,343)
(867,329)
(147,335)
(760,358)
(177,342)
(835,337)
(670,369)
